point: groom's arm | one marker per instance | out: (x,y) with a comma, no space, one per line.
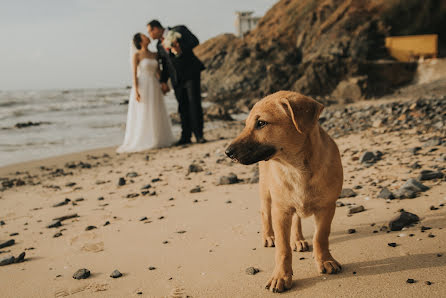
(164,75)
(187,42)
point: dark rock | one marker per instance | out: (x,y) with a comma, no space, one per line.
(230,179)
(156,180)
(132,195)
(195,189)
(415,185)
(429,175)
(71,184)
(121,181)
(65,202)
(415,165)
(147,186)
(81,274)
(428,283)
(116,274)
(2,223)
(410,281)
(339,204)
(132,175)
(433,208)
(65,217)
(55,224)
(347,193)
(370,157)
(106,223)
(100,198)
(385,193)
(405,193)
(7,243)
(403,219)
(414,150)
(252,271)
(355,209)
(194,168)
(392,244)
(7,261)
(90,228)
(181,232)
(143,218)
(57,235)
(351,231)
(423,228)
(431,235)
(152,268)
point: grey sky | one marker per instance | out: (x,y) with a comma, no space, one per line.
(52,44)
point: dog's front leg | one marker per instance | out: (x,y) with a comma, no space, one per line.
(299,243)
(265,206)
(282,277)
(324,261)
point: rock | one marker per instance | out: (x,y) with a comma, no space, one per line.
(386,194)
(132,175)
(147,186)
(405,193)
(410,281)
(433,208)
(230,179)
(132,195)
(414,150)
(415,185)
(152,268)
(252,271)
(116,274)
(7,261)
(65,202)
(57,235)
(415,166)
(81,274)
(121,181)
(195,189)
(430,175)
(65,217)
(90,228)
(55,224)
(351,231)
(156,180)
(2,223)
(392,244)
(339,204)
(106,223)
(143,218)
(370,157)
(355,209)
(8,243)
(435,141)
(428,283)
(347,193)
(100,198)
(403,219)
(194,168)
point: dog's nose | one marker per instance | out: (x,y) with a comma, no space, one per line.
(230,151)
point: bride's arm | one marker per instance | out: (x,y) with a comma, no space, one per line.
(135,79)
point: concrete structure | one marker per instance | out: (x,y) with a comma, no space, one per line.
(412,47)
(245,22)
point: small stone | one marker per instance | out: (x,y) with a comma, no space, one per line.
(339,204)
(431,235)
(156,180)
(90,228)
(430,175)
(81,274)
(2,223)
(55,224)
(252,271)
(121,181)
(228,202)
(143,218)
(165,242)
(7,243)
(405,193)
(423,228)
(7,261)
(351,231)
(402,220)
(433,208)
(65,202)
(116,274)
(147,186)
(355,209)
(415,185)
(106,223)
(181,232)
(57,235)
(386,194)
(347,193)
(392,244)
(132,175)
(195,189)
(410,281)
(439,255)
(428,283)
(70,184)
(152,268)
(100,198)
(132,195)
(194,168)
(230,179)
(414,150)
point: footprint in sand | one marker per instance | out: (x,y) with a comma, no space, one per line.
(178,293)
(93,247)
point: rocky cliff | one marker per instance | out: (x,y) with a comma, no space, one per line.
(311,46)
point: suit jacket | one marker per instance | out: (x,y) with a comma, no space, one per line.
(183,67)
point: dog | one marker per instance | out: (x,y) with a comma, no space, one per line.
(300,174)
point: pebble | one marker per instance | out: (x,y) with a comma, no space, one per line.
(100,198)
(132,175)
(65,217)
(430,175)
(65,202)
(121,181)
(428,283)
(402,220)
(13,260)
(347,193)
(152,268)
(147,186)
(116,274)
(385,193)
(195,189)
(90,228)
(7,243)
(410,281)
(143,218)
(392,244)
(57,235)
(252,271)
(106,223)
(55,224)
(355,209)
(351,231)
(81,274)
(194,168)
(230,179)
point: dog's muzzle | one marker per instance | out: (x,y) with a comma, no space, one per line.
(250,153)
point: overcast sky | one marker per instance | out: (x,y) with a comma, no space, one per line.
(60,44)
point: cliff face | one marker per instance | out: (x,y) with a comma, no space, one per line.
(310,46)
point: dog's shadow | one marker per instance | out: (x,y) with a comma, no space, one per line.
(388,265)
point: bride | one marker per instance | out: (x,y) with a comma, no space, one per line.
(148,124)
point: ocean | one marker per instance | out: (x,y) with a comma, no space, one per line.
(72,121)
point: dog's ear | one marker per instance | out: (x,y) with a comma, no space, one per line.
(304,111)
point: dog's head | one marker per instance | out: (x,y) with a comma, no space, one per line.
(279,121)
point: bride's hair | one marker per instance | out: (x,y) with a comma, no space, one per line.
(137,40)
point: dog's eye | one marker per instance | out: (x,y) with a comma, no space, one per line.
(260,124)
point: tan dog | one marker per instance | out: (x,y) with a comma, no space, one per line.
(300,175)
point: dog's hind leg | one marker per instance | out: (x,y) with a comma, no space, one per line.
(324,261)
(265,206)
(298,243)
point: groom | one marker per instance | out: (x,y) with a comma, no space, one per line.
(184,68)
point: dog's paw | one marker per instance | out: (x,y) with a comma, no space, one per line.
(268,241)
(300,245)
(329,266)
(280,282)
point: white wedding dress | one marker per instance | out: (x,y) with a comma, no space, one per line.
(148,124)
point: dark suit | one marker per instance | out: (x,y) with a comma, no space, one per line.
(184,71)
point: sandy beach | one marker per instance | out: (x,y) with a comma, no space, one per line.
(176,233)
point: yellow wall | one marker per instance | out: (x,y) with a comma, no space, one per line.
(408,48)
